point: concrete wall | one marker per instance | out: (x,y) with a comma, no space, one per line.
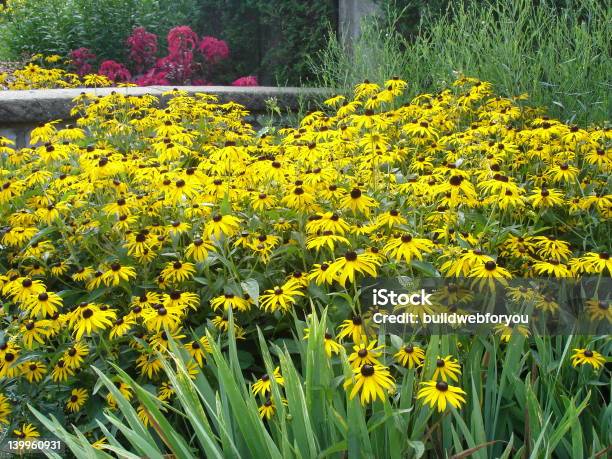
(21,111)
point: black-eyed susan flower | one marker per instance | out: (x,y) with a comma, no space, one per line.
(267,410)
(345,268)
(34,332)
(43,304)
(598,310)
(199,349)
(61,372)
(488,273)
(506,332)
(358,202)
(321,274)
(442,394)
(124,389)
(90,318)
(77,399)
(219,225)
(546,197)
(178,271)
(27,432)
(365,353)
(165,391)
(117,273)
(447,368)
(264,385)
(407,247)
(33,370)
(5,409)
(229,300)
(75,355)
(595,263)
(587,357)
(410,356)
(198,250)
(160,316)
(280,298)
(355,328)
(372,381)
(148,365)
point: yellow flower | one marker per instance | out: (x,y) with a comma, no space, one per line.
(279,298)
(264,385)
(372,381)
(407,247)
(27,432)
(33,370)
(355,328)
(178,271)
(118,273)
(345,268)
(365,353)
(587,356)
(5,409)
(77,399)
(410,356)
(447,367)
(441,394)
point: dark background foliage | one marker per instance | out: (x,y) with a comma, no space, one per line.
(270,38)
(267,38)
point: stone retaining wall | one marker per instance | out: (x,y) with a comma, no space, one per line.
(21,111)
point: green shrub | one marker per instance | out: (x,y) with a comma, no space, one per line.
(557,52)
(59,26)
(270,38)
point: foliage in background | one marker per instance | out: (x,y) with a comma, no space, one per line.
(271,38)
(60,26)
(557,52)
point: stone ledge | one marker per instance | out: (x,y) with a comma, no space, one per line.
(42,105)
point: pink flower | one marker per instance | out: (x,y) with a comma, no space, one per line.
(81,59)
(213,49)
(154,77)
(115,71)
(182,39)
(143,48)
(246,81)
(177,67)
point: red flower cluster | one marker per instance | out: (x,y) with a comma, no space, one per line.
(81,59)
(213,49)
(143,49)
(114,71)
(190,60)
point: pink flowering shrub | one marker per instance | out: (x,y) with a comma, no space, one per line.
(114,71)
(143,49)
(246,81)
(190,60)
(154,77)
(81,59)
(213,49)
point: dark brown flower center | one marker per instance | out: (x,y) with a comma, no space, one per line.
(490,266)
(367,370)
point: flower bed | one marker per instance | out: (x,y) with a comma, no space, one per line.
(139,230)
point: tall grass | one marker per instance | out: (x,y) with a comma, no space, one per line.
(560,56)
(523,400)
